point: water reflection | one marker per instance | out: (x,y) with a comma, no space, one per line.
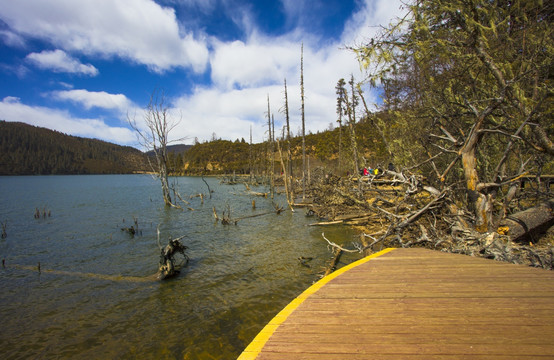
(95,297)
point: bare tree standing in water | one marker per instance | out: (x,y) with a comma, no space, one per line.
(155,138)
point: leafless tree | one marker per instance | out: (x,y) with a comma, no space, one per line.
(154,137)
(303,123)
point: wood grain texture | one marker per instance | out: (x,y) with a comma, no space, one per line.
(420,304)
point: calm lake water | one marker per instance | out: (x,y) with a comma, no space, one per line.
(95,298)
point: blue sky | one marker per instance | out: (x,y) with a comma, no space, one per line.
(83,67)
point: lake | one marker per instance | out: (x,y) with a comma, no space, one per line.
(95,296)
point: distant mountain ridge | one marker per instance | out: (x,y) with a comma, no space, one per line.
(175,149)
(179,148)
(31,150)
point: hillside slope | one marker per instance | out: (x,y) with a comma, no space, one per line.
(31,150)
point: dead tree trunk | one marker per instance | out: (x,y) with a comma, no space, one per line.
(525,224)
(288,136)
(353,143)
(290,200)
(303,124)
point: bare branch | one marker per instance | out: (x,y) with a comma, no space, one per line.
(332,244)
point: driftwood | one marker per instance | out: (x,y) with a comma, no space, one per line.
(200,195)
(412,217)
(169,266)
(255,193)
(415,213)
(335,246)
(524,225)
(302,205)
(337,253)
(303,260)
(341,220)
(252,216)
(325,223)
(227,220)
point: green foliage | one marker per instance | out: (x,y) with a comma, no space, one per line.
(218,156)
(30,150)
(226,156)
(463,76)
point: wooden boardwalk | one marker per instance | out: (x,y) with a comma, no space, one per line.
(417,304)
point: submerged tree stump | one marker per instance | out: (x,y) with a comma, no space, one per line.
(169,266)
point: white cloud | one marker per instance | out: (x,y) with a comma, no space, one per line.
(98,99)
(255,63)
(206,6)
(60,61)
(367,22)
(18,70)
(228,113)
(12,39)
(244,73)
(138,30)
(11,109)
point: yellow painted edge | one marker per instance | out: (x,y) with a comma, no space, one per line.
(255,347)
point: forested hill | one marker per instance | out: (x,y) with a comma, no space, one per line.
(30,150)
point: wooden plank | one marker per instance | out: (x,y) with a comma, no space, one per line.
(373,339)
(296,356)
(417,304)
(407,348)
(476,329)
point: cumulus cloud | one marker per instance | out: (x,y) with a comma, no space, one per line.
(242,72)
(60,61)
(98,99)
(12,109)
(139,30)
(228,113)
(257,62)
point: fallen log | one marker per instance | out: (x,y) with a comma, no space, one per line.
(325,223)
(343,219)
(252,216)
(260,194)
(527,224)
(301,205)
(337,253)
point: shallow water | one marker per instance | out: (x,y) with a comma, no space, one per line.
(94,296)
